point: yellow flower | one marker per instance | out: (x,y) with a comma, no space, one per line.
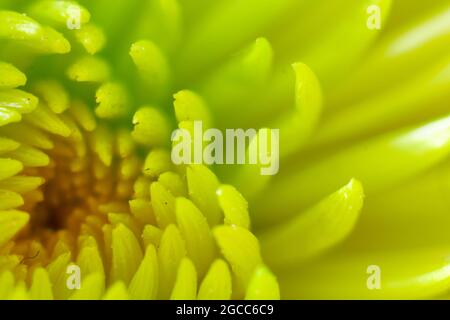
(92,206)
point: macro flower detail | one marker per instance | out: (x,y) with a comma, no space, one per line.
(95,188)
(93,207)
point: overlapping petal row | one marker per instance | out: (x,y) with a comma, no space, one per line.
(85,170)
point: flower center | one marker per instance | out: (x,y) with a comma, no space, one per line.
(88,174)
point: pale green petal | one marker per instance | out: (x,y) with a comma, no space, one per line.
(379,163)
(11,77)
(117,291)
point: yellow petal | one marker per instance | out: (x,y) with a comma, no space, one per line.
(91,37)
(10,200)
(151,235)
(112,99)
(297,127)
(314,231)
(163,203)
(53,94)
(234,206)
(30,157)
(142,210)
(379,163)
(118,291)
(92,287)
(152,65)
(7,145)
(8,116)
(241,249)
(89,259)
(58,11)
(6,284)
(21,184)
(202,186)
(11,222)
(174,183)
(9,168)
(41,287)
(89,69)
(171,251)
(126,254)
(196,234)
(11,76)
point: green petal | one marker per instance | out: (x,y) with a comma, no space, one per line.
(59,12)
